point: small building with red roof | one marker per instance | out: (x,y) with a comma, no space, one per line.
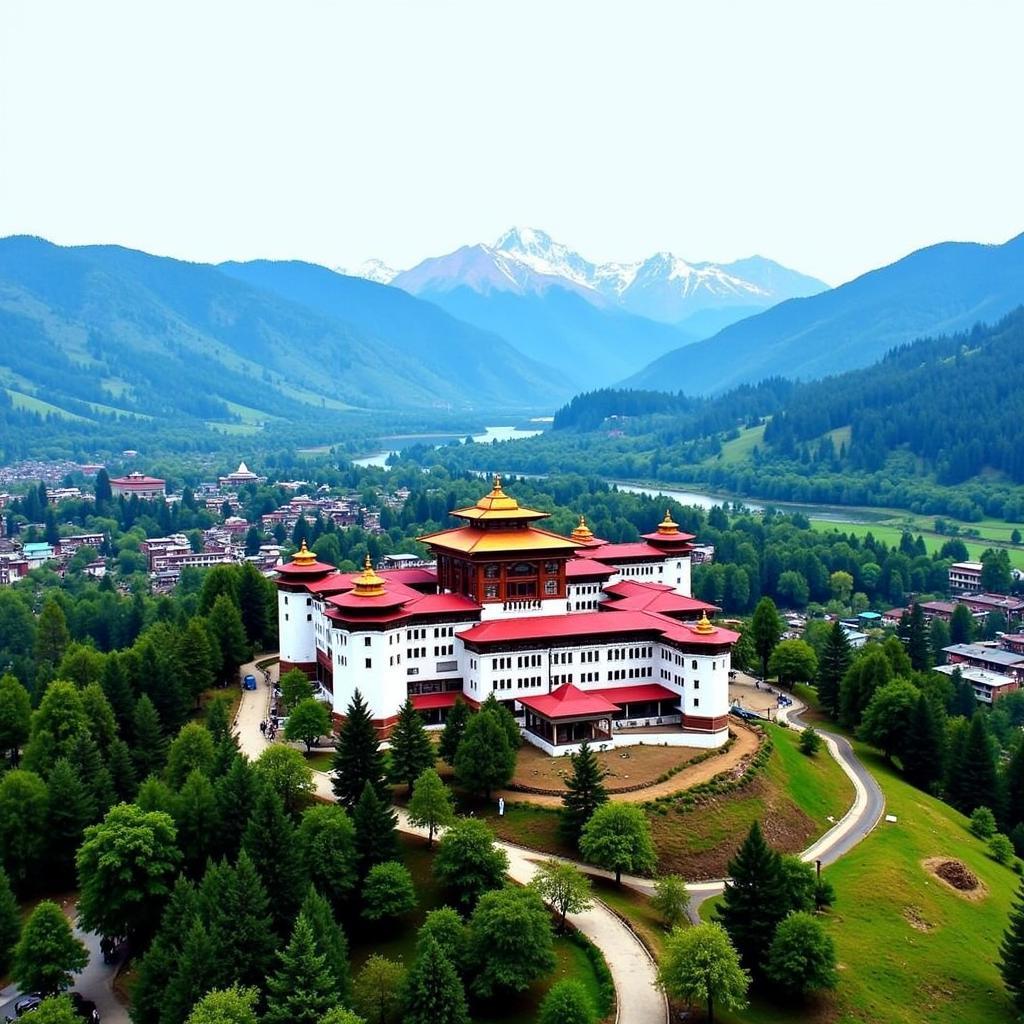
(145,488)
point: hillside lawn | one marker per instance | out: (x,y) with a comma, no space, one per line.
(793,798)
(994,534)
(398,942)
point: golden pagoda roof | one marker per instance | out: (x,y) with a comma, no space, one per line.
(304,556)
(497,506)
(667,526)
(468,540)
(583,533)
(704,625)
(368,583)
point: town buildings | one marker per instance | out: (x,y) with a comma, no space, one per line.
(580,638)
(145,488)
(964,576)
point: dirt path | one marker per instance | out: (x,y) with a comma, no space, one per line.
(745,745)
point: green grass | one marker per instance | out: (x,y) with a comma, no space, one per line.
(32,404)
(793,798)
(940,969)
(319,760)
(636,908)
(739,448)
(994,533)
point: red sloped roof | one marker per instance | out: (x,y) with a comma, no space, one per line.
(568,702)
(586,568)
(635,694)
(626,552)
(429,701)
(634,595)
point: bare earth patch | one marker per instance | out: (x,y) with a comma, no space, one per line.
(915,920)
(957,876)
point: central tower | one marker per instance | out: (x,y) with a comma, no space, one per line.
(501,559)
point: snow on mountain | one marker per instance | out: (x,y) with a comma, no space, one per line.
(662,287)
(372,270)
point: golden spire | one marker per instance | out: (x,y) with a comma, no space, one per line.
(667,526)
(704,624)
(497,483)
(368,583)
(583,533)
(303,556)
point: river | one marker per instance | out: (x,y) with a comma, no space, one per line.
(490,434)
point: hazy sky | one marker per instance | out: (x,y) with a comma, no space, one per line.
(831,136)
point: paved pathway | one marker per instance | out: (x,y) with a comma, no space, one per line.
(639,999)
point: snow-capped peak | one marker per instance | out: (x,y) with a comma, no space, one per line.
(372,270)
(540,253)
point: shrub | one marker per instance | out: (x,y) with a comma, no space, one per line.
(983,823)
(810,741)
(1000,848)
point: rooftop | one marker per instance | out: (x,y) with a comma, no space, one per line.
(497,506)
(990,654)
(569,702)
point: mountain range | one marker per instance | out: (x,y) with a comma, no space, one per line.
(936,290)
(103,330)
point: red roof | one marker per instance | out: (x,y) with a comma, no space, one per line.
(641,692)
(633,595)
(138,481)
(429,701)
(587,624)
(628,552)
(568,702)
(290,569)
(586,568)
(670,539)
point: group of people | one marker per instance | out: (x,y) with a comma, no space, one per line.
(268,728)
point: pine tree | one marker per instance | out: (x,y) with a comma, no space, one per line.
(836,656)
(358,759)
(979,784)
(330,940)
(116,686)
(506,718)
(433,990)
(376,838)
(47,953)
(198,659)
(411,749)
(194,975)
(270,841)
(431,806)
(1011,952)
(918,648)
(149,746)
(122,771)
(485,758)
(302,989)
(1013,786)
(754,901)
(87,763)
(766,629)
(454,727)
(252,603)
(236,909)
(236,796)
(229,639)
(195,814)
(961,625)
(70,808)
(10,923)
(924,750)
(963,702)
(584,793)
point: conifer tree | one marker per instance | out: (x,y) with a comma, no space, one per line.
(979,784)
(1013,786)
(301,989)
(411,749)
(376,838)
(1011,952)
(918,649)
(836,656)
(358,759)
(330,941)
(961,625)
(327,843)
(235,792)
(754,901)
(433,990)
(47,953)
(10,923)
(252,603)
(70,808)
(858,686)
(454,727)
(122,771)
(149,746)
(485,758)
(87,762)
(198,659)
(229,639)
(964,703)
(195,814)
(584,793)
(194,975)
(506,718)
(923,754)
(236,908)
(15,717)
(270,841)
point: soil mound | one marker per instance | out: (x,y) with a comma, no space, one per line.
(955,874)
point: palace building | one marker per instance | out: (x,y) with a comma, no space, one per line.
(580,638)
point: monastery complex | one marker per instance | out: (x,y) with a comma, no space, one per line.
(580,638)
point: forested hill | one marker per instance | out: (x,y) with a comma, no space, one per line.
(103,331)
(937,290)
(937,425)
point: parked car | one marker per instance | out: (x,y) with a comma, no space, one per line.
(744,713)
(249,683)
(84,1008)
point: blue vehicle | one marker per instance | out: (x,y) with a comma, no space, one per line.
(249,683)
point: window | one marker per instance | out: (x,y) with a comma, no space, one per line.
(694,665)
(491,571)
(369,662)
(551,568)
(696,702)
(366,641)
(696,684)
(551,586)
(309,617)
(491,591)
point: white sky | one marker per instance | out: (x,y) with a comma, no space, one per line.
(832,136)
